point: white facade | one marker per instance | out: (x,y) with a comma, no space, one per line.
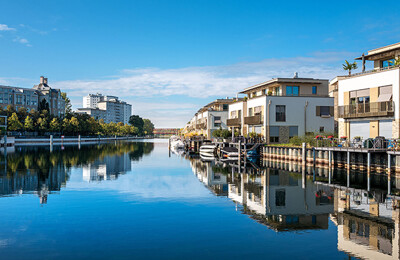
(111,108)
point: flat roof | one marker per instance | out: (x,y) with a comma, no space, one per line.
(380,50)
(285,80)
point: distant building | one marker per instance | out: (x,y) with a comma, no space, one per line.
(31,98)
(108,108)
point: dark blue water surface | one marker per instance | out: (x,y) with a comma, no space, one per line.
(135,201)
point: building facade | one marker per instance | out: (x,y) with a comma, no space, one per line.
(108,108)
(209,118)
(282,108)
(368,102)
(31,98)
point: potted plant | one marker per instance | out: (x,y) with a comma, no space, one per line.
(357,138)
(270,93)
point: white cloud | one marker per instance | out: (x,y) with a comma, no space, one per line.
(4,27)
(22,41)
(208,82)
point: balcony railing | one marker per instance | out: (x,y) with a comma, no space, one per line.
(253,120)
(373,109)
(201,126)
(234,122)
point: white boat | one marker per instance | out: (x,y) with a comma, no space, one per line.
(176,143)
(229,152)
(208,148)
(207,156)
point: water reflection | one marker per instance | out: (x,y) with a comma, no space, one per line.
(37,170)
(286,197)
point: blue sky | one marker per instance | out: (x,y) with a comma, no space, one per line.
(168,58)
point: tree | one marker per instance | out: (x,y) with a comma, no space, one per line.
(44,105)
(349,66)
(55,125)
(74,123)
(42,124)
(148,127)
(13,123)
(396,62)
(29,125)
(68,106)
(137,122)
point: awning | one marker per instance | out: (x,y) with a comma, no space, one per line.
(384,97)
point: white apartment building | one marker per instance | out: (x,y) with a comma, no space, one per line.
(108,108)
(209,118)
(368,102)
(282,108)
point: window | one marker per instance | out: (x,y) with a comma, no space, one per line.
(217,121)
(274,134)
(293,131)
(324,111)
(280,198)
(292,90)
(321,129)
(19,99)
(387,63)
(251,111)
(1,97)
(225,107)
(314,90)
(280,113)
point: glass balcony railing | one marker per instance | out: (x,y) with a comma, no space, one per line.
(373,109)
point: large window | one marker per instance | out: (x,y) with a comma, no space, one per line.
(280,198)
(293,131)
(325,110)
(292,90)
(314,90)
(274,134)
(217,121)
(387,63)
(280,113)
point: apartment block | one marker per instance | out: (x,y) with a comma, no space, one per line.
(209,118)
(368,102)
(284,107)
(31,98)
(108,108)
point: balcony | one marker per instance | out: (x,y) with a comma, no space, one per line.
(253,120)
(201,126)
(234,122)
(374,109)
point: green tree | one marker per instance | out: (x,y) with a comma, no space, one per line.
(74,123)
(137,122)
(44,105)
(29,125)
(55,125)
(396,62)
(68,106)
(42,124)
(148,127)
(13,123)
(349,66)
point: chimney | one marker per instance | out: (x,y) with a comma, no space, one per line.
(45,81)
(296,75)
(41,79)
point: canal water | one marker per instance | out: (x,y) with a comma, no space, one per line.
(135,200)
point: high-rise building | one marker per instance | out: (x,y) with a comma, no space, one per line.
(108,108)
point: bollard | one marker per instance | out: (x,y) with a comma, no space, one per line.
(303,154)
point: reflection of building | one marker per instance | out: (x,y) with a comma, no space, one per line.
(208,174)
(279,200)
(107,168)
(34,181)
(368,224)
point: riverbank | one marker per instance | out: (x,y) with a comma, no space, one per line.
(71,140)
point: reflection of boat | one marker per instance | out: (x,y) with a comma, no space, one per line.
(208,148)
(176,142)
(253,153)
(230,152)
(207,156)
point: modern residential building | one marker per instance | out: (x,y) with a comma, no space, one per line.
(282,108)
(209,118)
(106,168)
(31,98)
(108,108)
(368,102)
